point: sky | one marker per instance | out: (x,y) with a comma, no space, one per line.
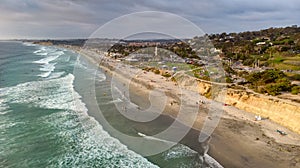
(81,18)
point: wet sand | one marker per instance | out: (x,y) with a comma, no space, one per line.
(238,140)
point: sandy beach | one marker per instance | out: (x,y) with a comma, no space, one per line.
(150,84)
(238,140)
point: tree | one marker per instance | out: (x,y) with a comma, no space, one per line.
(271,51)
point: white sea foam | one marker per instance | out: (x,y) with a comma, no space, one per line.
(45,75)
(47,68)
(58,52)
(179,151)
(4,112)
(28,44)
(56,75)
(65,58)
(3,108)
(52,55)
(49,94)
(11,124)
(37,51)
(41,49)
(87,144)
(100,76)
(93,144)
(47,59)
(42,53)
(182,151)
(97,75)
(212,162)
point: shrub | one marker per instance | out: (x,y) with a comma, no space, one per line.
(280,86)
(166,74)
(228,80)
(295,77)
(295,90)
(156,71)
(272,89)
(270,81)
(207,78)
(196,75)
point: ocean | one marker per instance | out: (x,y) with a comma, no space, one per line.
(44,114)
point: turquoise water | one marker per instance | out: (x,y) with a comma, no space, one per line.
(44,114)
(43,122)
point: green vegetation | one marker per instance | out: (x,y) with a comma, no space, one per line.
(152,69)
(166,74)
(156,71)
(244,54)
(293,76)
(282,62)
(272,82)
(228,80)
(278,60)
(295,90)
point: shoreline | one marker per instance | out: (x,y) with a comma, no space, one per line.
(238,141)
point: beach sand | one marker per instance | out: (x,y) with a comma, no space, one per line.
(238,140)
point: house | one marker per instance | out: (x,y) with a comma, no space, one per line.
(261,43)
(296,83)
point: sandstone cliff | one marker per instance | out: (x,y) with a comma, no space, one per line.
(281,111)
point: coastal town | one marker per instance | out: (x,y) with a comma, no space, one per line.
(259,71)
(265,61)
(150,84)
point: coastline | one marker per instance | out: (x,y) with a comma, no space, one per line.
(238,141)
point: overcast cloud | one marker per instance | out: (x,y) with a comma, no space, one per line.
(80,18)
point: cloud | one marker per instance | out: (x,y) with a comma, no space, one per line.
(78,18)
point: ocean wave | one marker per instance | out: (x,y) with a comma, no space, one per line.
(47,59)
(44,75)
(11,124)
(66,58)
(44,123)
(178,151)
(46,65)
(47,68)
(56,75)
(83,139)
(28,44)
(3,106)
(37,94)
(42,53)
(94,70)
(91,146)
(37,51)
(100,76)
